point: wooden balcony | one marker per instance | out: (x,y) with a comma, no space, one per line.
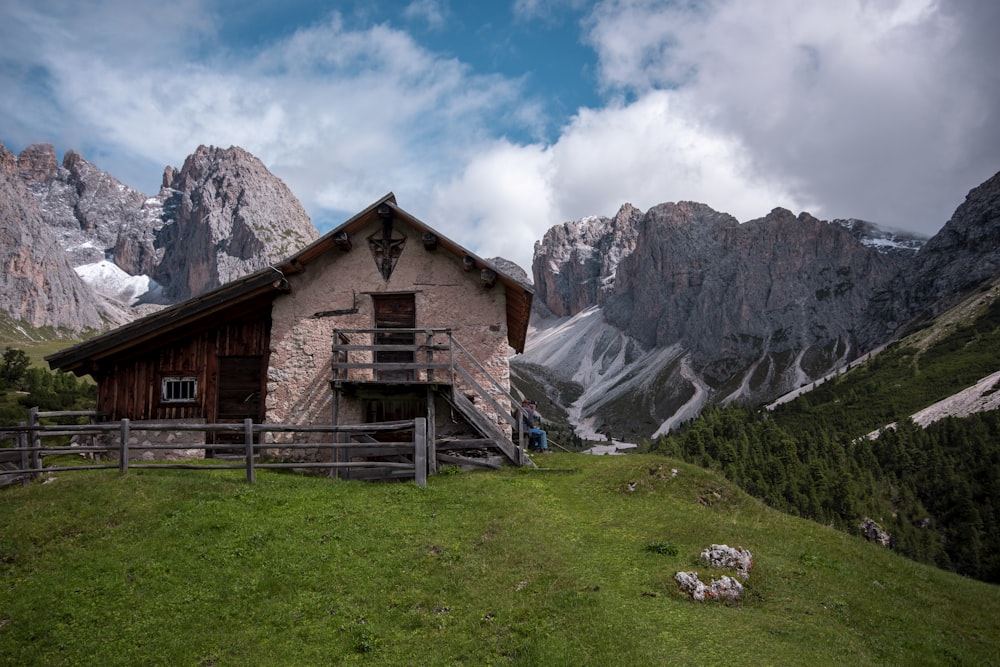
(381,361)
(393,357)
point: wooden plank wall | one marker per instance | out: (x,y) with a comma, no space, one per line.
(130,388)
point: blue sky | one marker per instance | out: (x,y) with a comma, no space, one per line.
(493,121)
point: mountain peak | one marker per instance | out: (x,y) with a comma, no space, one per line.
(219,217)
(37,163)
(225,215)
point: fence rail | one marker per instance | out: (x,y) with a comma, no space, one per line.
(23,461)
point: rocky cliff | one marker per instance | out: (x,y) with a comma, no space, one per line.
(646,318)
(960,258)
(727,289)
(221,216)
(100,223)
(37,283)
(575,263)
(225,215)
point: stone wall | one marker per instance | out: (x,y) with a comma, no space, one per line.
(335,292)
(189,444)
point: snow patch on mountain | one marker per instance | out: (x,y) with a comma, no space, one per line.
(109,280)
(883,240)
(887,244)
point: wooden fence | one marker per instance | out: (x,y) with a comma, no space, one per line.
(23,461)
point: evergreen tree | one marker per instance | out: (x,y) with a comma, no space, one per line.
(13,367)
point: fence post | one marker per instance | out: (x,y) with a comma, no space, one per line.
(22,444)
(35,440)
(523,438)
(123,448)
(420,450)
(248,441)
(431,433)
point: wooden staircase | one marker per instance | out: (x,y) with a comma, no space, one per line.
(490,431)
(434,359)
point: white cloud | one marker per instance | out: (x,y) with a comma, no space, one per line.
(651,151)
(545,10)
(499,204)
(872,109)
(432,12)
(884,110)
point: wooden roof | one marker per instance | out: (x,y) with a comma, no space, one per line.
(260,288)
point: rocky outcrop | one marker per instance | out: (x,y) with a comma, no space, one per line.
(726,557)
(960,258)
(724,588)
(871,531)
(662,313)
(575,264)
(38,285)
(512,269)
(37,163)
(221,216)
(225,215)
(87,210)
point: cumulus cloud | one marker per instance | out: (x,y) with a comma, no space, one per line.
(501,200)
(882,110)
(868,109)
(432,12)
(655,150)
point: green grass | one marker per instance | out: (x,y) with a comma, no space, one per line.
(560,566)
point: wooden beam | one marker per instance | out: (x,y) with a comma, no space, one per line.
(462,460)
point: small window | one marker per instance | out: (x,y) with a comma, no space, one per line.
(179,389)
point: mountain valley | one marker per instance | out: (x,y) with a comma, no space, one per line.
(669,328)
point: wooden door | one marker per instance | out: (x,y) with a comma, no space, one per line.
(394,311)
(240,393)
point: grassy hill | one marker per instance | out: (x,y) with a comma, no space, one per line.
(571,564)
(935,490)
(60,392)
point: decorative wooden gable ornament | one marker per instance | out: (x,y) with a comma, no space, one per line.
(385,248)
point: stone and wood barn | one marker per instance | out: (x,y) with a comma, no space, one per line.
(381,319)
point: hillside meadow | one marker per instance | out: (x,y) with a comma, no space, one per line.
(568,564)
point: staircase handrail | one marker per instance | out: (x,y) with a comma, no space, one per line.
(517,423)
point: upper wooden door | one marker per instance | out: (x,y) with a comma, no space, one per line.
(394,311)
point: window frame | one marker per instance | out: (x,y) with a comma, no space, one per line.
(180,393)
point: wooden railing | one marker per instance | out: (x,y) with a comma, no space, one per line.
(24,459)
(360,355)
(437,357)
